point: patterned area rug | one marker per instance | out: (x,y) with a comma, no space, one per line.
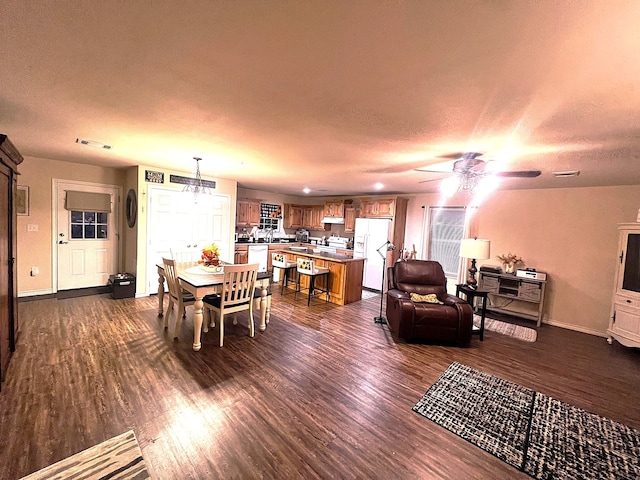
(118,458)
(516,331)
(543,437)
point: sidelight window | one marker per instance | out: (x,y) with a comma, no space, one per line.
(88,225)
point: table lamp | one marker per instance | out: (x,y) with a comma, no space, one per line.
(475,249)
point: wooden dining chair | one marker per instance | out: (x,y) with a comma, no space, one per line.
(237,294)
(177,296)
(185,258)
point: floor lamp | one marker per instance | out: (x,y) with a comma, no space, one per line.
(387,246)
(475,249)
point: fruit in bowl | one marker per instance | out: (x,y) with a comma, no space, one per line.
(210,256)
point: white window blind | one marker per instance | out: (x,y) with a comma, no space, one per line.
(446,229)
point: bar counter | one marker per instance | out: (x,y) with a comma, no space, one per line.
(345,273)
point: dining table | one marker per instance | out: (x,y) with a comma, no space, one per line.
(200,282)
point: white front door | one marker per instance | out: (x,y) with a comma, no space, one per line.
(177,223)
(87,241)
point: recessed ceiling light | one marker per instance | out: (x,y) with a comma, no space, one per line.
(567,173)
(92,143)
(306,189)
(378,186)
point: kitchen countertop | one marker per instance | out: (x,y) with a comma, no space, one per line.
(339,257)
(311,246)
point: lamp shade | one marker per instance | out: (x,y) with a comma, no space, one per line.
(475,248)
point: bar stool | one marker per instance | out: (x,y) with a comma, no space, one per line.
(306,266)
(279,260)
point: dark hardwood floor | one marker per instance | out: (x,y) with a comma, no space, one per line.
(323,393)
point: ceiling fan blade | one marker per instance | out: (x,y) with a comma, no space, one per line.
(519,173)
(399,167)
(432,180)
(431,171)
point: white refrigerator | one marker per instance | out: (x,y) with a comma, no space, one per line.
(370,235)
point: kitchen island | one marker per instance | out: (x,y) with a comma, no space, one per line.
(345,272)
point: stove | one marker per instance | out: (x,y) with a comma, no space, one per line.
(338,242)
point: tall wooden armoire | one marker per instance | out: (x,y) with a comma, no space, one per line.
(9,161)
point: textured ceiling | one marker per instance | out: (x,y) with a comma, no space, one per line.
(331,95)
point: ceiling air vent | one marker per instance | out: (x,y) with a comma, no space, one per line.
(567,173)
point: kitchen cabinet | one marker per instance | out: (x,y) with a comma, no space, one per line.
(624,323)
(349,219)
(333,209)
(293,216)
(241,254)
(247,212)
(9,161)
(377,207)
(312,217)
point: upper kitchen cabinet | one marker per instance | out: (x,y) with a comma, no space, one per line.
(313,216)
(248,212)
(334,209)
(293,216)
(349,219)
(378,207)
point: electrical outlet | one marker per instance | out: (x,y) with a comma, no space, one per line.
(32,227)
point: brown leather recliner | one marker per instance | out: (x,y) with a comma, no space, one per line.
(450,322)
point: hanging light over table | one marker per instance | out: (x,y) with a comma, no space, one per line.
(196,186)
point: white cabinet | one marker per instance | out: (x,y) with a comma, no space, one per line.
(624,323)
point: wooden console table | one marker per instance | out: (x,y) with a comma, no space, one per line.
(508,286)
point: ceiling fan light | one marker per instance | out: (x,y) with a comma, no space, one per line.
(486,185)
(449,186)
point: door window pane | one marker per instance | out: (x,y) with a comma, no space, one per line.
(89,225)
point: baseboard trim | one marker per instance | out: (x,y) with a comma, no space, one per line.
(35,293)
(83,292)
(576,328)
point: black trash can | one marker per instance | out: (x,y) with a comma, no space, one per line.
(123,285)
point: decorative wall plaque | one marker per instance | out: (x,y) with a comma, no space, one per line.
(153,177)
(191,181)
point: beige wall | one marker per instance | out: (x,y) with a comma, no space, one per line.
(569,233)
(35,248)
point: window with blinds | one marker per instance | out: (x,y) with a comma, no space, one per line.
(446,230)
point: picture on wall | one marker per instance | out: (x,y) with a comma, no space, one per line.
(22,200)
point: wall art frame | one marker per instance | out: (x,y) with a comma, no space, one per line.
(22,200)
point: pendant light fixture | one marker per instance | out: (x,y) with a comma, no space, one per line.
(196,186)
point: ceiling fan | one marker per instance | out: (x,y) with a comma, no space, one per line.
(469,170)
